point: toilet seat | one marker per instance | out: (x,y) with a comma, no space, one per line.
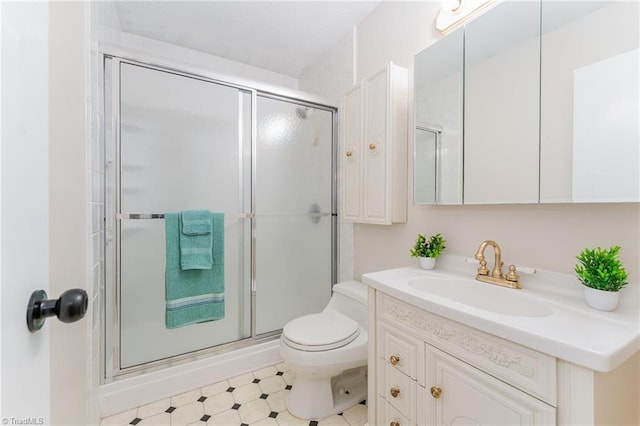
(320,332)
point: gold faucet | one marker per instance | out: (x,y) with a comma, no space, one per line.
(496,277)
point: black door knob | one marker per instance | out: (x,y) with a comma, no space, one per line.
(70,307)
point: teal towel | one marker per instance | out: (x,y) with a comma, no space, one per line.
(196,222)
(193,295)
(196,239)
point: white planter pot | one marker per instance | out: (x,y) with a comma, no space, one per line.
(427,262)
(601,300)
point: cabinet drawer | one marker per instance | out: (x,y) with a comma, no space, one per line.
(404,389)
(524,368)
(401,351)
(389,416)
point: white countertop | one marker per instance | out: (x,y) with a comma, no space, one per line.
(568,328)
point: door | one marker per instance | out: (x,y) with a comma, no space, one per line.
(24,202)
(182,144)
(294,226)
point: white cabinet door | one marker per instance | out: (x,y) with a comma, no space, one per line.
(377,189)
(469,396)
(351,161)
(374,175)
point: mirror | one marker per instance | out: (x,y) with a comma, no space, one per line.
(590,133)
(425,166)
(501,101)
(438,83)
(551,106)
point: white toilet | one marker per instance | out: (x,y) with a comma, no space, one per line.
(328,353)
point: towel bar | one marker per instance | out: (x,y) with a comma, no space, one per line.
(121,216)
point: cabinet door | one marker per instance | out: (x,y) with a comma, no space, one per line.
(376,147)
(351,159)
(469,396)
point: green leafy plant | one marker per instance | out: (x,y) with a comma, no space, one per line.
(428,248)
(601,269)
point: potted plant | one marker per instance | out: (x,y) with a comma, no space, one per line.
(428,250)
(603,276)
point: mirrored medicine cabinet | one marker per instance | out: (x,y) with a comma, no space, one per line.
(531,102)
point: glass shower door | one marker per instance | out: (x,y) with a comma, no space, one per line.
(184,145)
(293,210)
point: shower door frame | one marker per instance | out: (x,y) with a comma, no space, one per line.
(114,371)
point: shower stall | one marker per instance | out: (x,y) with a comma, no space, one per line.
(176,141)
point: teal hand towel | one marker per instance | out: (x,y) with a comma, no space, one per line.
(196,222)
(194,295)
(196,239)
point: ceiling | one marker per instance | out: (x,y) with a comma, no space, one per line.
(284,36)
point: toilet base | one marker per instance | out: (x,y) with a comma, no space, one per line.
(315,398)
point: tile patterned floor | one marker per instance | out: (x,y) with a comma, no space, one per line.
(255,398)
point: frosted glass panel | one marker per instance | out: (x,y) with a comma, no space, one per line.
(293,269)
(185,144)
(179,143)
(293,179)
(143,334)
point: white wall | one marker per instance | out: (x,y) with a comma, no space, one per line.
(544,236)
(104,27)
(193,58)
(68,214)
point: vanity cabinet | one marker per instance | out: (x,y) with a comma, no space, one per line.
(432,371)
(375,149)
(425,369)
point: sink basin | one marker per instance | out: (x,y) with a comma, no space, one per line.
(476,294)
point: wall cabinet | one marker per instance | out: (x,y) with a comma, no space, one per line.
(374,155)
(427,370)
(550,101)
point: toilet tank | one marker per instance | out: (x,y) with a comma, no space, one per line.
(350,299)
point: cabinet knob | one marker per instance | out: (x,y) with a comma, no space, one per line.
(394,391)
(394,423)
(372,146)
(349,154)
(394,359)
(436,392)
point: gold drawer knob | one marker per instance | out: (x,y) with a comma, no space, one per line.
(394,391)
(394,359)
(394,424)
(372,146)
(436,392)
(349,154)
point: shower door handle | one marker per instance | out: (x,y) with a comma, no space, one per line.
(314,212)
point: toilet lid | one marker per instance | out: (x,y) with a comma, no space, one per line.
(320,332)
